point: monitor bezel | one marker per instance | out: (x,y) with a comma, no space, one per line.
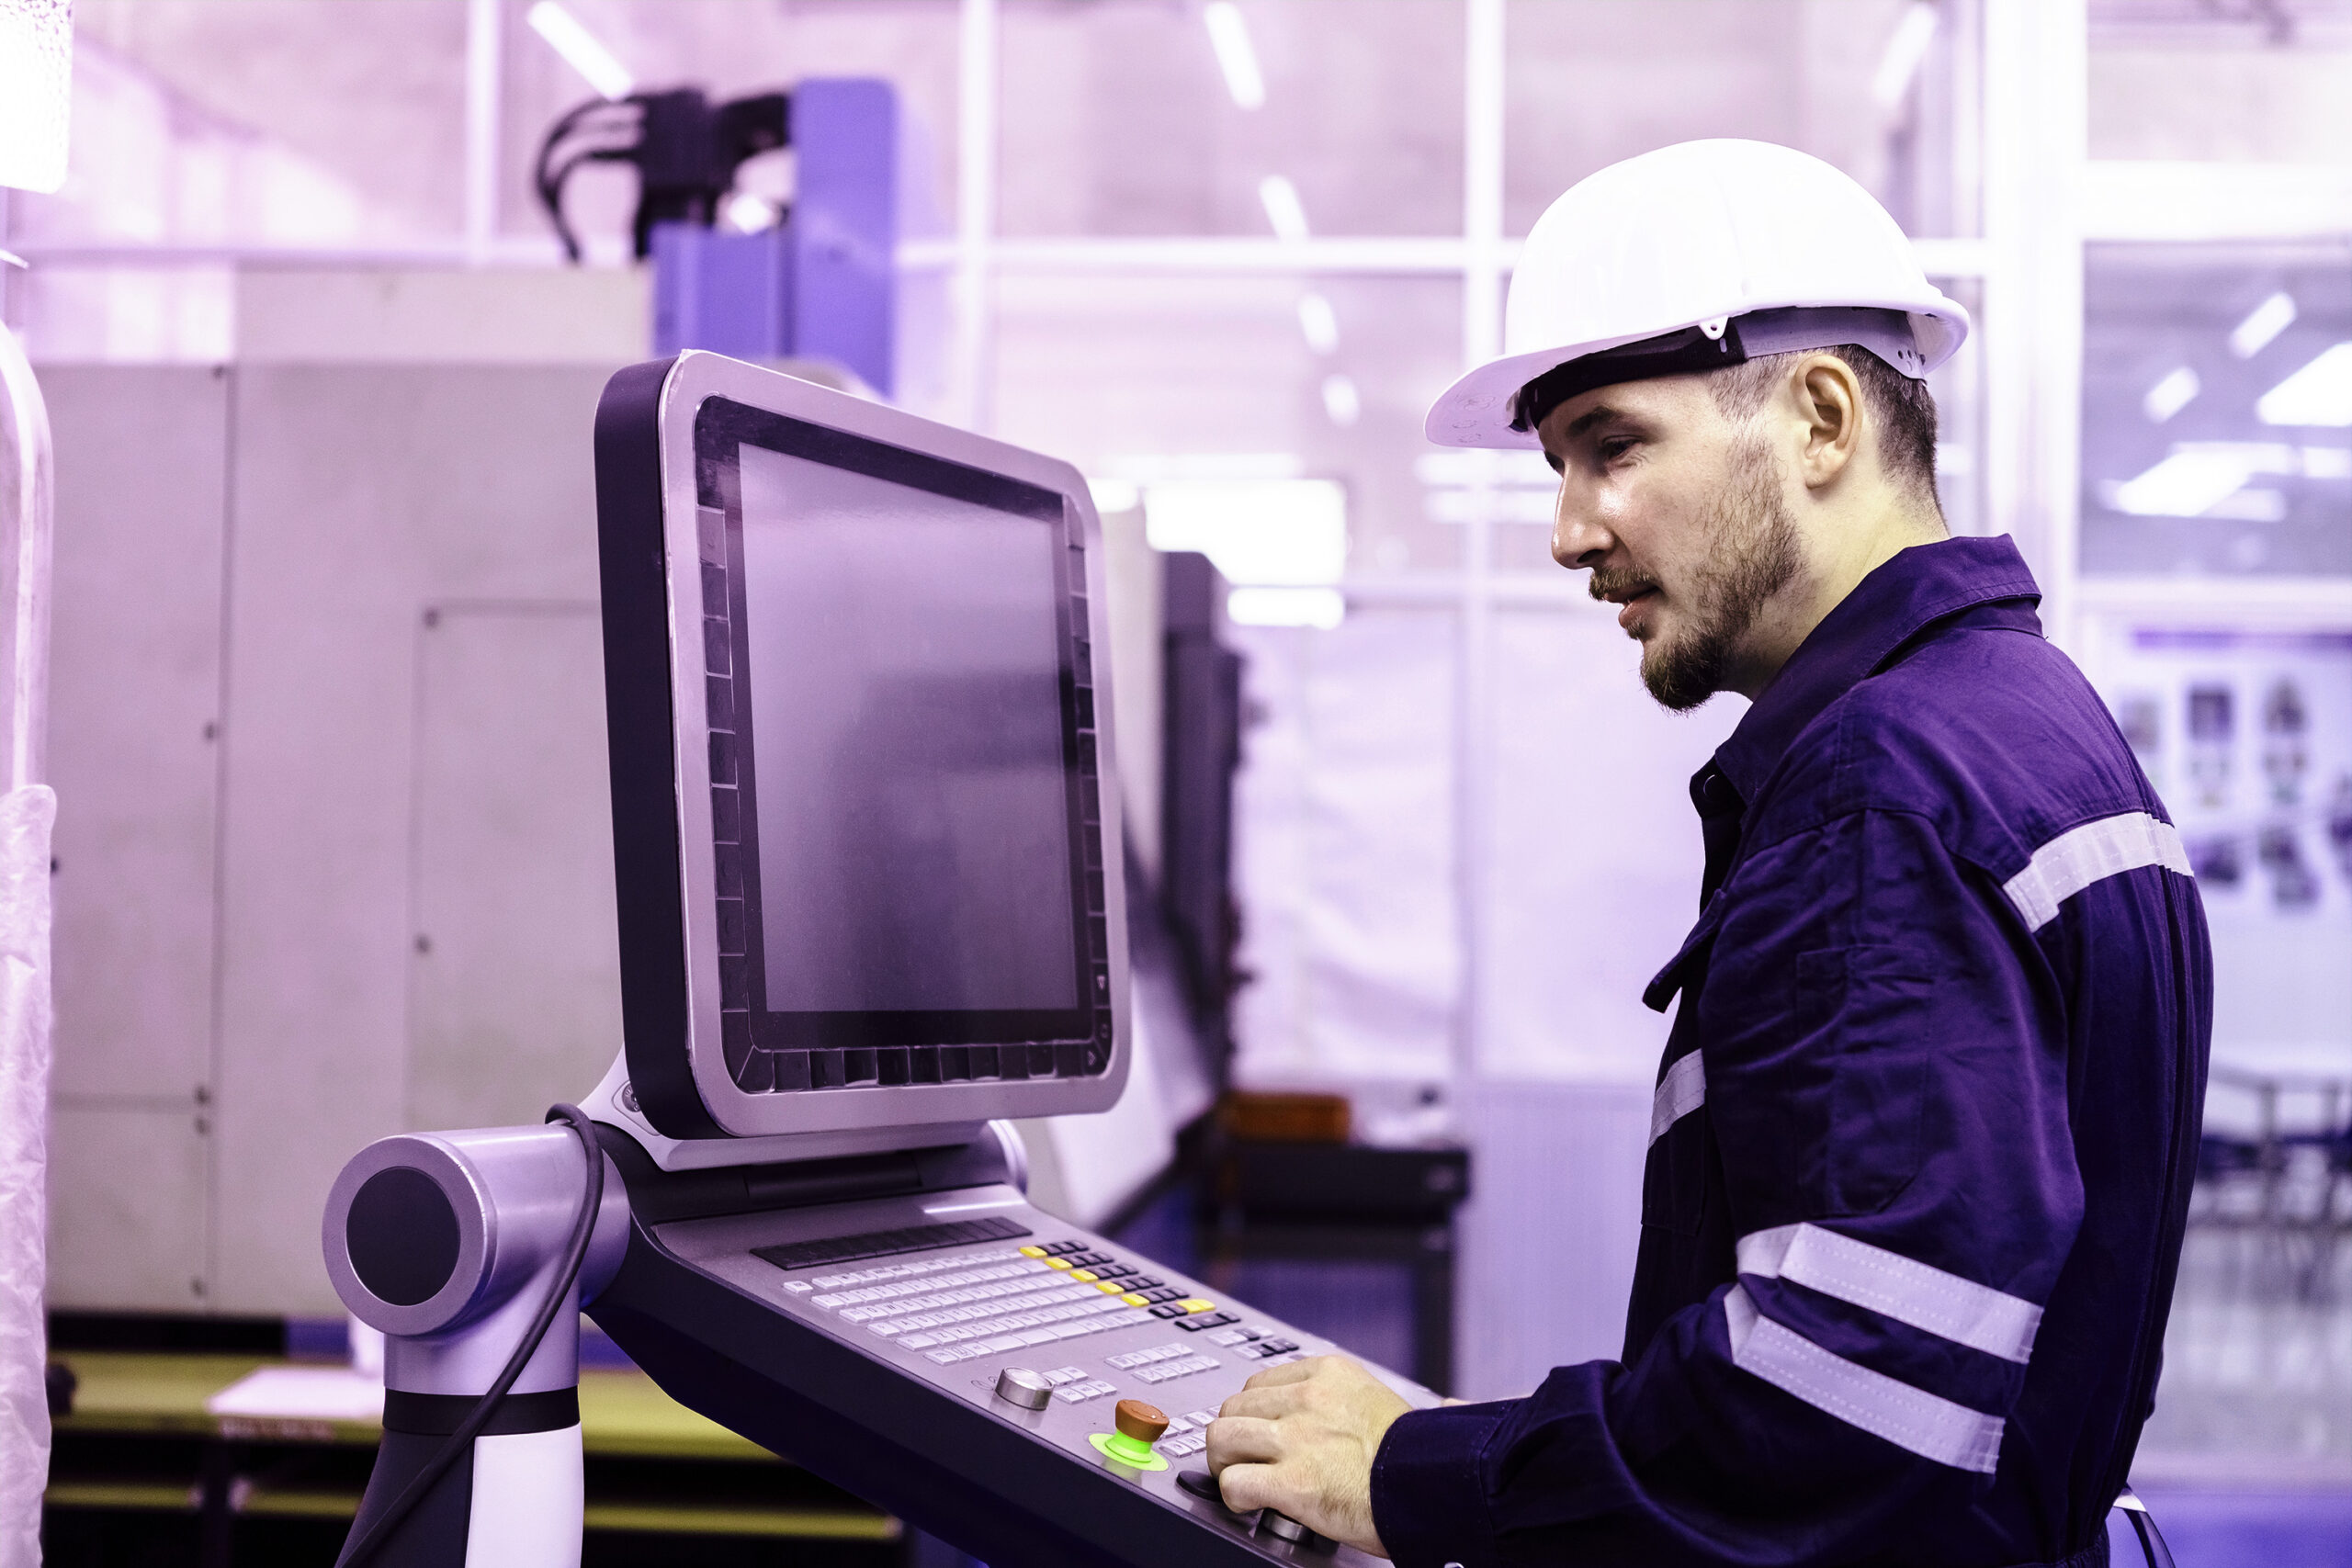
(651,523)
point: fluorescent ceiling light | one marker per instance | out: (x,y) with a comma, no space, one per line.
(2249,506)
(1230,36)
(1905,49)
(2320,393)
(2188,483)
(581,49)
(1517,468)
(1493,506)
(1155,468)
(36,93)
(2262,324)
(1319,323)
(1263,532)
(2170,395)
(1113,495)
(1279,199)
(1322,608)
(1342,400)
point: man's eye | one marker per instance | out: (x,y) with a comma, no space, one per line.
(1616,447)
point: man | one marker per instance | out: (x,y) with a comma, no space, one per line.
(1924,1131)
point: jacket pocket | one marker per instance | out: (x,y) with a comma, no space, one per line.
(1875,1010)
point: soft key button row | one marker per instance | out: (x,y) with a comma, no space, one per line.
(1168,1372)
(929,1266)
(961,1342)
(1079,1393)
(1129,1360)
(914,1295)
(1184,1444)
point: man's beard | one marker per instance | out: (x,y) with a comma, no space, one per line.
(1752,556)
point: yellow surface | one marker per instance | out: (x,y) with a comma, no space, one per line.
(1088,1275)
(1033,1252)
(1133,1300)
(1195,1304)
(1060,1263)
(621,1411)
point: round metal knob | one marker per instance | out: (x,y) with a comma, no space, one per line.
(1019,1385)
(1281,1525)
(1141,1421)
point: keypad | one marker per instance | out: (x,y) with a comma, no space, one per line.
(980,1304)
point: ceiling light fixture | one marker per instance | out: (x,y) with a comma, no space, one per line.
(2262,324)
(2170,395)
(2320,393)
(1284,210)
(1319,323)
(1230,36)
(581,50)
(1342,400)
(1906,48)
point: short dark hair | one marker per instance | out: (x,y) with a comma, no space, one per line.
(1904,410)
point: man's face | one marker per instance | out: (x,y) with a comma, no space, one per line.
(1680,515)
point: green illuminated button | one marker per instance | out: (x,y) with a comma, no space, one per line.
(1139,1425)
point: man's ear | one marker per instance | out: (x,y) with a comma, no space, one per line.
(1829,400)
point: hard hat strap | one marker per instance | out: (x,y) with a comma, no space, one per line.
(1698,349)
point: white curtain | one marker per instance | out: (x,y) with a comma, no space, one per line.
(26,816)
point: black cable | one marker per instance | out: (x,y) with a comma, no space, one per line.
(549,185)
(460,1441)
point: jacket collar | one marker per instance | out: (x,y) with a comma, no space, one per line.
(1888,609)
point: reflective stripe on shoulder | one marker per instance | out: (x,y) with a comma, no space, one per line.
(1681,1092)
(1911,1418)
(2092,852)
(1944,1304)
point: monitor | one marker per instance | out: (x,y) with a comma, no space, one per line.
(865,835)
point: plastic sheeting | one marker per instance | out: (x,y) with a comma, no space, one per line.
(26,817)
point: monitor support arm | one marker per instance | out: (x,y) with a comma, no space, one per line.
(451,1243)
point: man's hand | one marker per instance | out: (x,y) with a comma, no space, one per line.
(1300,1439)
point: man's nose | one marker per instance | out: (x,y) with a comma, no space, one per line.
(1579,541)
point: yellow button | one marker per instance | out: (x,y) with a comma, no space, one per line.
(1033,1252)
(1133,1299)
(1110,1288)
(1195,1304)
(1057,1263)
(1086,1274)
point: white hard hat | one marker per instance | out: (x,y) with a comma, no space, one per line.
(1724,250)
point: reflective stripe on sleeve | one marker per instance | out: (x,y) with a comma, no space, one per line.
(1909,1417)
(1944,1304)
(1681,1092)
(2092,852)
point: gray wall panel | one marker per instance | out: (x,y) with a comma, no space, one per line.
(362,496)
(515,996)
(126,1212)
(134,695)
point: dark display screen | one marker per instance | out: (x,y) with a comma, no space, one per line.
(902,790)
(913,794)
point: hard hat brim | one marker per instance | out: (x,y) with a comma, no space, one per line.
(1478,409)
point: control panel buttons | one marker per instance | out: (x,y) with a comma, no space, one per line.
(1142,1422)
(1019,1385)
(1128,1449)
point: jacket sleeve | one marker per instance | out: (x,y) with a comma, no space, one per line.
(1887,1088)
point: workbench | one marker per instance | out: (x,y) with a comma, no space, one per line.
(142,1441)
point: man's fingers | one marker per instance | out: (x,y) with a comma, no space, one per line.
(1246,1487)
(1267,1404)
(1288,1372)
(1242,1440)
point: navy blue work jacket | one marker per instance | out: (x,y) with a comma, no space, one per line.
(1921,1143)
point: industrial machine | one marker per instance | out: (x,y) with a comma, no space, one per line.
(815,281)
(871,902)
